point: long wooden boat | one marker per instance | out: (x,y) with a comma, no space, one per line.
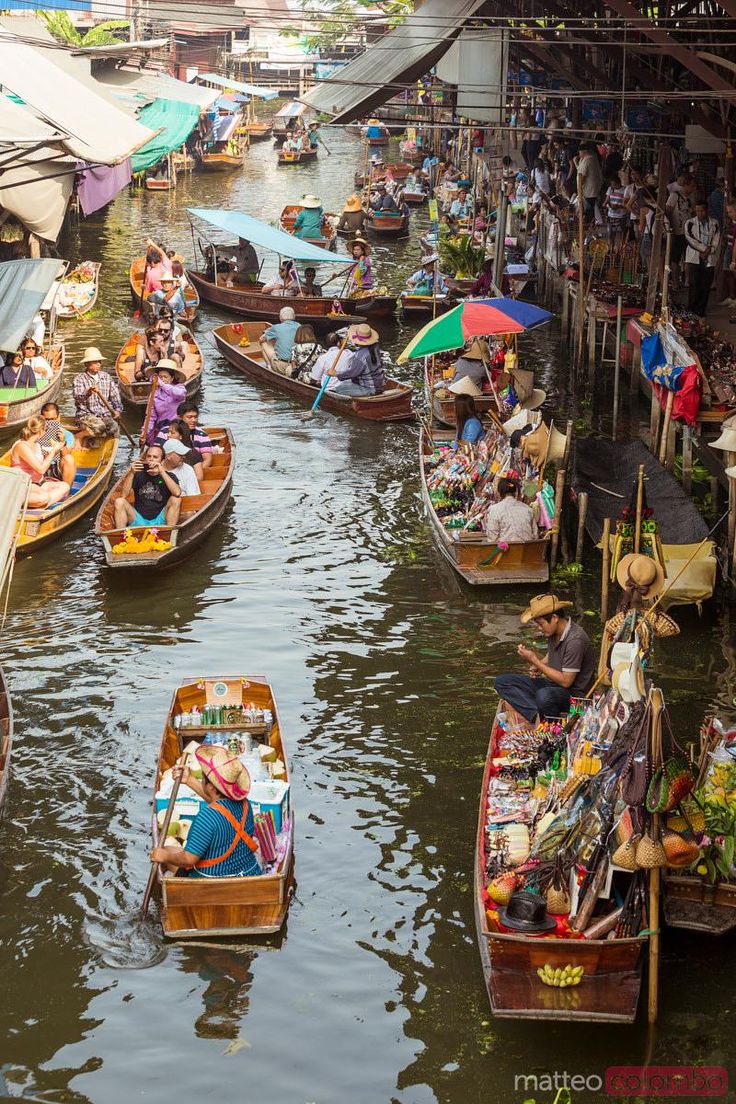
(380,140)
(694,904)
(289,216)
(6,739)
(469,552)
(156,184)
(94,471)
(239,345)
(388,226)
(399,171)
(199,514)
(76,297)
(18,404)
(135,276)
(296,157)
(248,299)
(136,392)
(222,162)
(609,991)
(422,306)
(372,306)
(414,199)
(209,907)
(442,402)
(256,131)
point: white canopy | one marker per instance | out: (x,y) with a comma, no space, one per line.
(36,174)
(158,86)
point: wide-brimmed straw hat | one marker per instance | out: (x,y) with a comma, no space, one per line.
(537,398)
(477,350)
(727,440)
(544,605)
(91,354)
(637,572)
(311,201)
(465,386)
(352,203)
(357,240)
(167,278)
(170,366)
(661,623)
(544,445)
(363,334)
(224,771)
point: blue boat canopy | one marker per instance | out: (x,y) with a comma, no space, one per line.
(238,86)
(260,233)
(24,285)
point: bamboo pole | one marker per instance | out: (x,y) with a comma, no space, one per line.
(687,458)
(666,427)
(606,576)
(639,505)
(617,365)
(663,177)
(582,515)
(655,875)
(555,534)
(666,279)
(581,276)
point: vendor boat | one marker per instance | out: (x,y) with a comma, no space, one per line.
(296,157)
(199,515)
(159,184)
(136,392)
(442,402)
(288,218)
(398,171)
(136,275)
(248,299)
(196,908)
(414,198)
(423,306)
(388,225)
(256,131)
(220,160)
(38,527)
(18,404)
(78,291)
(240,346)
(477,560)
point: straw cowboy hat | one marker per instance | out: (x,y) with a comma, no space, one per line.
(627,677)
(171,366)
(373,122)
(357,240)
(640,574)
(362,335)
(224,771)
(311,201)
(520,419)
(465,386)
(352,203)
(477,350)
(727,440)
(544,605)
(167,278)
(91,354)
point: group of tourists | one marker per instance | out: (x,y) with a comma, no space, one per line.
(300,138)
(25,367)
(164,282)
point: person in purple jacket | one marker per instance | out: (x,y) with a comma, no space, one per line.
(170,392)
(362,372)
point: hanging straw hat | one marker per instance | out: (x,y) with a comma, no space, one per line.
(627,678)
(91,354)
(224,771)
(311,201)
(661,623)
(477,350)
(544,605)
(465,386)
(535,400)
(352,203)
(727,440)
(362,335)
(637,572)
(557,444)
(523,381)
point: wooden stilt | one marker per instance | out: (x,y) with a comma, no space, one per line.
(617,365)
(639,507)
(654,417)
(605,578)
(666,427)
(687,458)
(555,535)
(582,515)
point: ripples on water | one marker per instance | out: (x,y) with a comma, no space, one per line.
(322,576)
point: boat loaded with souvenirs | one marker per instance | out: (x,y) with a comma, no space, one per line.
(78,290)
(240,715)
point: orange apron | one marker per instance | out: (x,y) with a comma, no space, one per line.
(240,834)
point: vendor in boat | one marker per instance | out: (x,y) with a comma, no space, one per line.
(471,363)
(460,208)
(311,289)
(483,286)
(382,202)
(220,842)
(28,456)
(361,274)
(170,391)
(156,494)
(510,520)
(169,294)
(175,462)
(33,359)
(423,281)
(63,466)
(313,135)
(277,342)
(283,284)
(361,374)
(566,671)
(95,393)
(469,427)
(353,216)
(308,223)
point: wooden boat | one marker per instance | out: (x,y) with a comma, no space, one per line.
(296,157)
(136,393)
(18,404)
(379,140)
(414,199)
(248,299)
(94,471)
(388,226)
(6,739)
(694,904)
(372,306)
(156,184)
(208,907)
(461,287)
(135,275)
(220,161)
(469,552)
(256,131)
(609,992)
(199,514)
(394,405)
(398,171)
(77,296)
(422,306)
(442,402)
(288,218)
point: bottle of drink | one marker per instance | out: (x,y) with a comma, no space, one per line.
(195,718)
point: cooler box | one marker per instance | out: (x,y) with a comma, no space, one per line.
(272,797)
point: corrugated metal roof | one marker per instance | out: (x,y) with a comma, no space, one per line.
(404,54)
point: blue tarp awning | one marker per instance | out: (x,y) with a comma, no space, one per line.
(230,103)
(260,233)
(238,86)
(24,285)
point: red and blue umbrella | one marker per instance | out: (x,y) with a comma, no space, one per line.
(474,318)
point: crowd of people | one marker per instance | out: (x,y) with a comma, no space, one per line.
(354,367)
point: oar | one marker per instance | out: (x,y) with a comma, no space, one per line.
(161,839)
(337,275)
(325,382)
(79,314)
(149,411)
(114,414)
(329,151)
(137,314)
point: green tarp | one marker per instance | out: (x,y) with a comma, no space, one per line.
(175,120)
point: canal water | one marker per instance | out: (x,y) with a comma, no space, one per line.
(323,577)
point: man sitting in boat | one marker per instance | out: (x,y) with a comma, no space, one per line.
(362,374)
(170,391)
(27,455)
(199,439)
(422,282)
(277,342)
(95,392)
(510,520)
(169,294)
(567,670)
(311,289)
(470,363)
(283,284)
(64,466)
(308,223)
(353,216)
(246,262)
(382,202)
(294,144)
(175,454)
(220,843)
(156,494)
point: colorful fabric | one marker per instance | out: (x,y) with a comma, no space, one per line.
(174,120)
(688,397)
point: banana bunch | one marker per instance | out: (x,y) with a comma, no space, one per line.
(560,978)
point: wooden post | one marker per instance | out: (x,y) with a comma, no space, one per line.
(666,427)
(581,275)
(654,749)
(617,365)
(687,458)
(555,535)
(582,515)
(606,576)
(654,416)
(731,510)
(665,161)
(639,506)
(666,278)
(500,252)
(592,327)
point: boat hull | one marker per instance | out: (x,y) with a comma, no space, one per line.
(386,227)
(249,301)
(222,162)
(696,905)
(158,185)
(422,306)
(71,312)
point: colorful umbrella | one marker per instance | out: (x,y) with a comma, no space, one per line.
(473,318)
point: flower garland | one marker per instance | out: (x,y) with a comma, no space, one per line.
(149,542)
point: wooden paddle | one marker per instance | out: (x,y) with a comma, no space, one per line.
(325,383)
(149,411)
(159,843)
(114,414)
(328,151)
(141,293)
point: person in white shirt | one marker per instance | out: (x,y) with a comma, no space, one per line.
(510,520)
(679,209)
(37,330)
(591,180)
(32,359)
(541,181)
(283,284)
(326,360)
(174,453)
(703,237)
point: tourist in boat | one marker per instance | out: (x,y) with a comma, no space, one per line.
(63,466)
(277,342)
(15,373)
(422,282)
(27,455)
(308,223)
(566,671)
(293,144)
(175,461)
(460,208)
(361,273)
(174,345)
(382,202)
(353,216)
(510,520)
(362,373)
(311,289)
(220,842)
(90,387)
(148,353)
(169,392)
(469,427)
(156,494)
(178,430)
(471,364)
(304,353)
(283,284)
(326,360)
(169,294)
(33,359)
(157,265)
(188,412)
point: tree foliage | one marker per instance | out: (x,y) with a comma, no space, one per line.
(336,19)
(60,25)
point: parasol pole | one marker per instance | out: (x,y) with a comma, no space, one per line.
(655,875)
(639,506)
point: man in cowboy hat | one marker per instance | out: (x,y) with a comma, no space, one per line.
(170,294)
(353,216)
(567,670)
(90,387)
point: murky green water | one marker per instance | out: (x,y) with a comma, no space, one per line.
(324,578)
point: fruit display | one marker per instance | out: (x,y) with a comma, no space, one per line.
(560,978)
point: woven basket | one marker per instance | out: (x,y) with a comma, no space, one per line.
(650,853)
(680,852)
(625,855)
(558,901)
